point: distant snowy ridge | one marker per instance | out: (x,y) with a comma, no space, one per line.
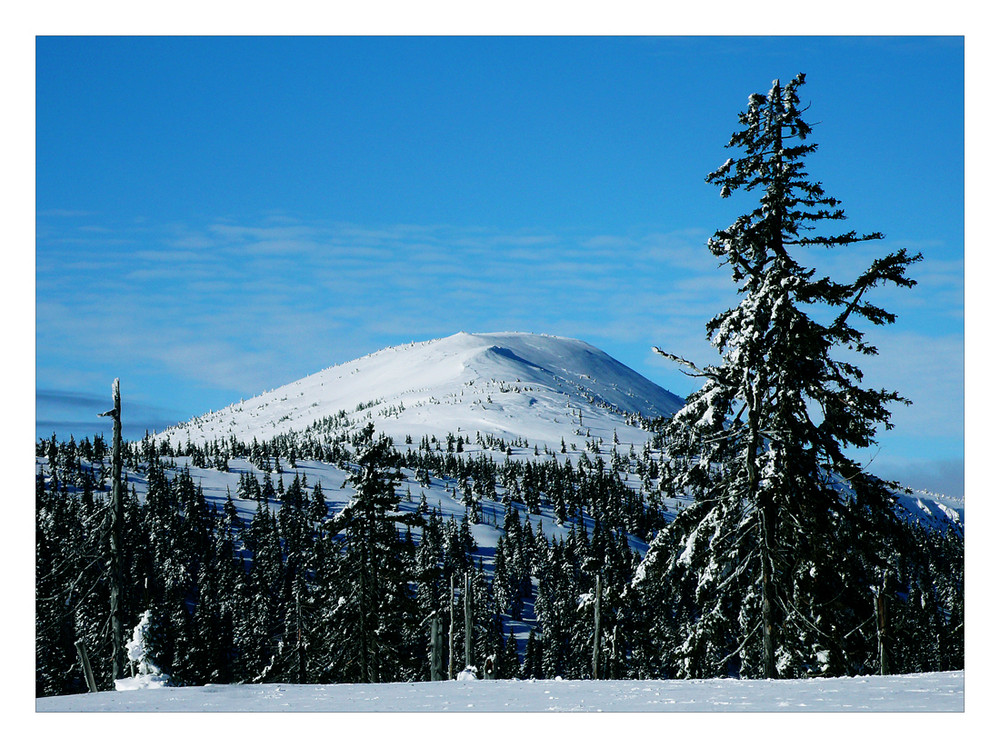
(934,510)
(541,388)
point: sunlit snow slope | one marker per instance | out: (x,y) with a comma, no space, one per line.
(537,387)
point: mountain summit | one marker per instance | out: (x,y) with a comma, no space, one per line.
(541,388)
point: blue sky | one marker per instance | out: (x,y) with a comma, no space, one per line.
(219,216)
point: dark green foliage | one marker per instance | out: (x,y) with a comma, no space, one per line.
(770,572)
(375,612)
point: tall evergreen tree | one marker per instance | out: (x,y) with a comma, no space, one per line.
(262,626)
(788,533)
(375,610)
(228,576)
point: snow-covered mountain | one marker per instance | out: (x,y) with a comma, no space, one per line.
(539,388)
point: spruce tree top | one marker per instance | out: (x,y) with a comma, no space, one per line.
(775,348)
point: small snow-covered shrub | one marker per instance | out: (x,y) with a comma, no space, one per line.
(148,675)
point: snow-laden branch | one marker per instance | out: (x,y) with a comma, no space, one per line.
(683,362)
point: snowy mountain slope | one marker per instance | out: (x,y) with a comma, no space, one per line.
(541,389)
(512,385)
(934,510)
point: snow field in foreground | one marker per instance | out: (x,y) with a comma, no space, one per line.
(923,692)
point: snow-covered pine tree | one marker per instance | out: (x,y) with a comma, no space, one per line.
(371,622)
(233,594)
(769,573)
(532,665)
(295,530)
(260,629)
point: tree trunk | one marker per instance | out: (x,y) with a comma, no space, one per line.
(451,628)
(116,509)
(766,515)
(597,626)
(468,621)
(299,644)
(437,655)
(766,507)
(880,612)
(768,666)
(365,600)
(88,673)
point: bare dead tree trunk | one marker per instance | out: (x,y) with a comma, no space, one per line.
(451,629)
(117,520)
(597,627)
(468,621)
(880,612)
(88,673)
(437,650)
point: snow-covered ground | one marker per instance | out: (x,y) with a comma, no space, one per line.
(926,692)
